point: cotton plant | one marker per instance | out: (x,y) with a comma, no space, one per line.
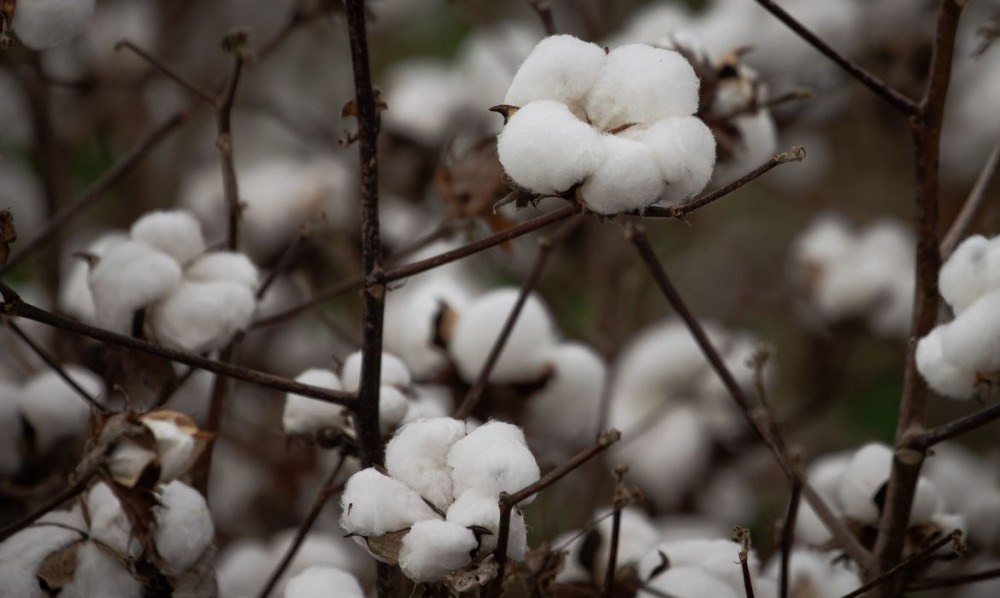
(436,510)
(617,129)
(844,273)
(959,356)
(43,24)
(189,298)
(672,408)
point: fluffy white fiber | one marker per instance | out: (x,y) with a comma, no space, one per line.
(175,233)
(100,574)
(480,325)
(323,580)
(637,536)
(75,298)
(393,372)
(627,178)
(227,266)
(374,504)
(493,458)
(417,455)
(53,408)
(473,507)
(202,316)
(972,339)
(561,68)
(685,154)
(43,24)
(304,415)
(717,558)
(433,548)
(130,276)
(688,582)
(945,377)
(184,528)
(817,574)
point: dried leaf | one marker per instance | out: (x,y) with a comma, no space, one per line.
(58,568)
(8,234)
(467,580)
(387,546)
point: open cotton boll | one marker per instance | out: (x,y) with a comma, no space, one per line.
(817,574)
(685,151)
(475,508)
(128,277)
(175,233)
(547,149)
(493,458)
(100,574)
(42,24)
(224,265)
(417,455)
(75,298)
(628,178)
(304,415)
(824,475)
(374,504)
(562,416)
(716,557)
(435,548)
(867,471)
(637,536)
(943,376)
(560,67)
(23,552)
(392,408)
(757,142)
(202,316)
(53,408)
(927,502)
(323,580)
(962,279)
(828,238)
(183,526)
(480,325)
(393,372)
(972,340)
(688,582)
(639,84)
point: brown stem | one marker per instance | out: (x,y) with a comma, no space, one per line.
(915,559)
(74,489)
(788,537)
(168,71)
(956,428)
(875,84)
(612,565)
(934,583)
(960,227)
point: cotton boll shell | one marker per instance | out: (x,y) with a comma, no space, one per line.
(393,372)
(128,277)
(435,548)
(304,415)
(100,574)
(546,149)
(42,24)
(944,377)
(480,325)
(492,459)
(688,582)
(183,527)
(972,340)
(685,151)
(224,265)
(562,416)
(202,316)
(53,408)
(561,67)
(628,178)
(374,504)
(417,455)
(862,479)
(639,84)
(320,580)
(175,233)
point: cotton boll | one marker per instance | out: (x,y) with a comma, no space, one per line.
(422,96)
(53,408)
(943,376)
(319,548)
(129,277)
(637,536)
(817,574)
(393,372)
(242,567)
(304,415)
(183,527)
(474,508)
(639,84)
(100,574)
(962,277)
(492,459)
(75,298)
(202,316)
(175,233)
(22,553)
(434,548)
(547,149)
(824,475)
(224,265)
(480,325)
(374,504)
(757,142)
(718,558)
(685,151)
(42,24)
(561,67)
(489,57)
(320,580)
(972,340)
(862,479)
(688,582)
(927,502)
(627,179)
(417,455)
(827,239)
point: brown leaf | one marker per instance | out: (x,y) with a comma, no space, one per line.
(58,568)
(387,545)
(8,234)
(467,580)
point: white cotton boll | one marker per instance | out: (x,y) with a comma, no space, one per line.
(435,548)
(417,455)
(304,415)
(561,67)
(75,298)
(817,574)
(824,475)
(430,401)
(475,508)
(43,24)
(493,458)
(943,376)
(183,526)
(685,151)
(864,476)
(319,548)
(175,233)
(972,340)
(129,276)
(962,278)
(756,144)
(22,553)
(547,149)
(636,537)
(323,580)
(480,325)
(563,415)
(242,567)
(393,372)
(224,265)
(53,408)
(983,511)
(627,179)
(688,582)
(202,316)
(423,96)
(10,431)
(927,503)
(100,574)
(828,238)
(374,504)
(716,557)
(639,84)
(392,408)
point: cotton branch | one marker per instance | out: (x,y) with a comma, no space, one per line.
(913,560)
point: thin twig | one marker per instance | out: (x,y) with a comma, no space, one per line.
(905,105)
(960,227)
(612,565)
(71,491)
(167,70)
(914,559)
(788,537)
(956,428)
(741,535)
(284,262)
(934,583)
(326,491)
